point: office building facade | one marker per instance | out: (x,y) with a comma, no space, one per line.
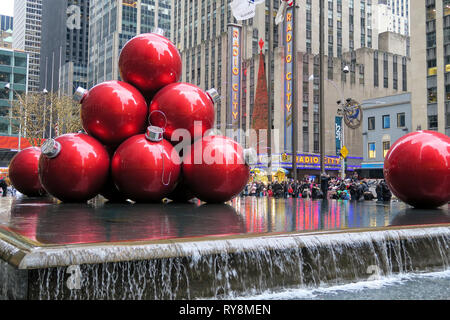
(64,48)
(430,51)
(13,71)
(385,120)
(394,16)
(27,36)
(112,23)
(6,22)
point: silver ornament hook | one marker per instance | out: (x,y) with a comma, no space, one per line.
(164,115)
(162,176)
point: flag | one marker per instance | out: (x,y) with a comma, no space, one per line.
(282,10)
(243,9)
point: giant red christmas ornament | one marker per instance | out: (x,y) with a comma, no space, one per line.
(73,167)
(216,168)
(417,169)
(23,172)
(112,111)
(146,168)
(149,62)
(180,106)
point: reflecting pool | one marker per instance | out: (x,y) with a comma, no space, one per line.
(49,223)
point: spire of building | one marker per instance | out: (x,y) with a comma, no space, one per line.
(259,115)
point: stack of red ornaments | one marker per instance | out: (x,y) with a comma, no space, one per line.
(134,130)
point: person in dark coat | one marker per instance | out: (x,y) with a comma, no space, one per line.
(387,195)
(324,181)
(379,192)
(4,186)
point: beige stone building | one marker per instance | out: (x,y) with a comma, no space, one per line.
(373,73)
(201,34)
(430,54)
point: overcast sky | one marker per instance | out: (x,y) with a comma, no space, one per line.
(7,7)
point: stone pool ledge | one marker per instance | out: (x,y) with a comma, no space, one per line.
(28,255)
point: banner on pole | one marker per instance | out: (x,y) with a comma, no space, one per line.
(338,133)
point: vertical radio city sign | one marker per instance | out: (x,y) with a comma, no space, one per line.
(234,76)
(288,75)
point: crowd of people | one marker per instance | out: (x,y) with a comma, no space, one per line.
(328,187)
(6,188)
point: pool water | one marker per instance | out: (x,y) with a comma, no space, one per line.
(410,286)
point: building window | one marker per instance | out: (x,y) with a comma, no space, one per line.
(401,120)
(371,123)
(386,147)
(432,122)
(432,95)
(371,150)
(386,122)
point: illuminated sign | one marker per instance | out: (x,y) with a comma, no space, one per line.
(315,160)
(235,62)
(288,76)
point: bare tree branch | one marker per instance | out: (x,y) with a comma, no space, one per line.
(36,114)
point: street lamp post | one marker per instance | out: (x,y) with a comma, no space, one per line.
(321,88)
(45,92)
(269,90)
(294,94)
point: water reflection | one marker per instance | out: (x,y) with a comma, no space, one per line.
(421,217)
(51,223)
